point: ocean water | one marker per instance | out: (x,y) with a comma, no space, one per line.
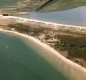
(76,16)
(20,62)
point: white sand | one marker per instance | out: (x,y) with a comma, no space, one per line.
(68,68)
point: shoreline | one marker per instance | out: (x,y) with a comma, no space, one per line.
(52,25)
(68,68)
(49,33)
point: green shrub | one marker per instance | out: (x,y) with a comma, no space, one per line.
(76,46)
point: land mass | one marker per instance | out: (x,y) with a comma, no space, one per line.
(69,40)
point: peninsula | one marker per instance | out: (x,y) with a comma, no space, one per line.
(69,40)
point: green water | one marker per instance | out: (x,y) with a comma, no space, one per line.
(20,62)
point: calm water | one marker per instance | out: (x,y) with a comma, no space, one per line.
(76,16)
(20,62)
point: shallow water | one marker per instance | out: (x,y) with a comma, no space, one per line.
(20,62)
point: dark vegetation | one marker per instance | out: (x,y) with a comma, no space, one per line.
(23,28)
(5,14)
(76,46)
(20,27)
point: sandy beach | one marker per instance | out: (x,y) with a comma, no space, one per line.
(68,68)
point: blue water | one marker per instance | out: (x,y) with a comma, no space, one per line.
(20,62)
(76,16)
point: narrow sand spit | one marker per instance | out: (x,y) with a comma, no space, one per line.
(68,68)
(56,26)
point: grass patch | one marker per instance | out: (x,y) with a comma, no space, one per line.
(76,46)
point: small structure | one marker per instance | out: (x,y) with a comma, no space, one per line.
(5,14)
